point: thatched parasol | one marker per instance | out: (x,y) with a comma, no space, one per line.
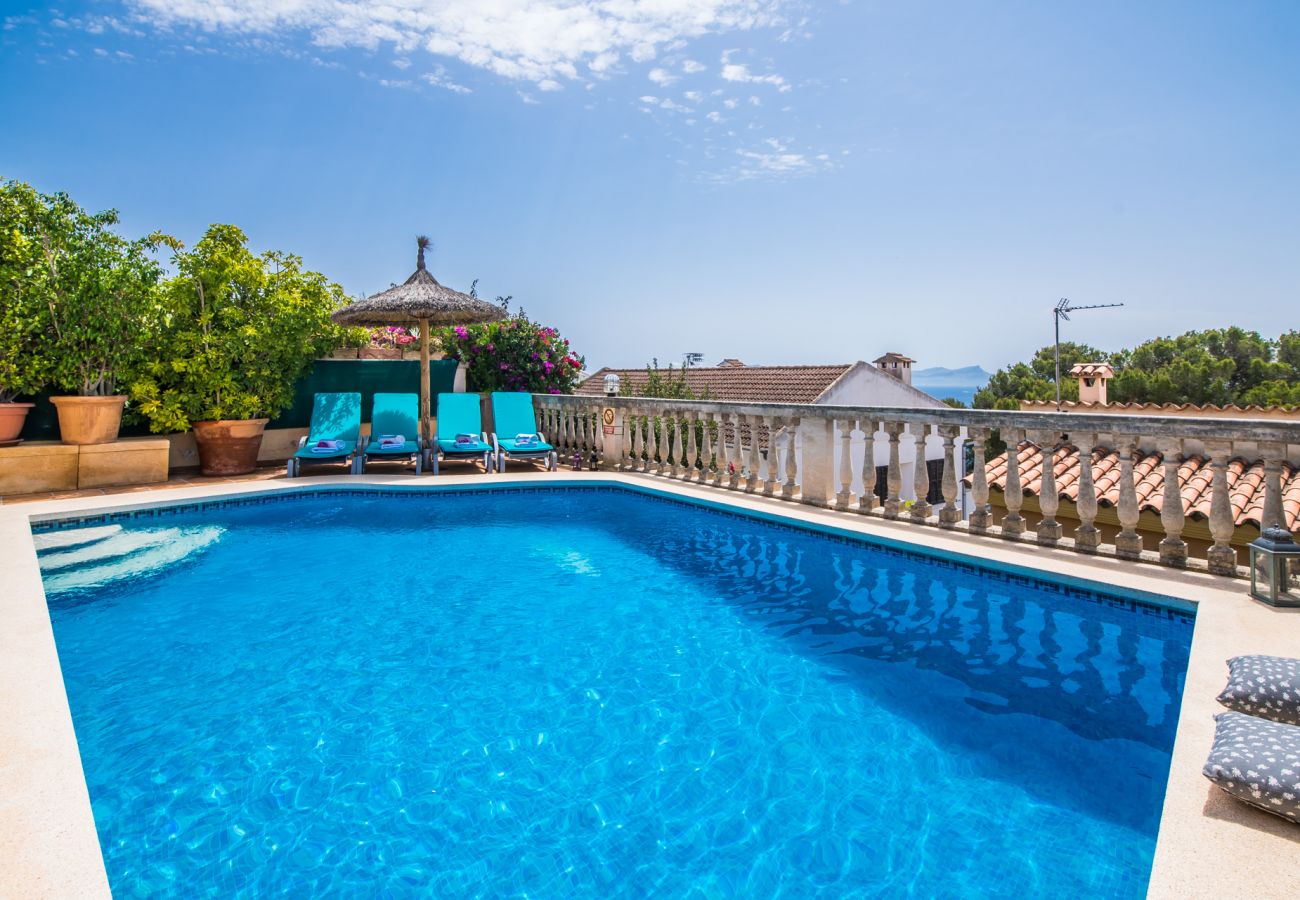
(422,301)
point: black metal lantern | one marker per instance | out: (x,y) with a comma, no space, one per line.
(1275,568)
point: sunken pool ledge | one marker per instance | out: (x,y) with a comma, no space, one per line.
(1209,844)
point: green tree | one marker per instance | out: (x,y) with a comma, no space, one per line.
(666,384)
(237,331)
(97,287)
(25,361)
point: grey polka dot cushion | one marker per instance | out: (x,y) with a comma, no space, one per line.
(1257,761)
(1267,686)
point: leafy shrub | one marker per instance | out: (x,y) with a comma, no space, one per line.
(515,354)
(238,330)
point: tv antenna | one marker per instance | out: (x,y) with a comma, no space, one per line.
(1061,311)
(691,359)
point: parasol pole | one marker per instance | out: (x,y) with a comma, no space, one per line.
(424,380)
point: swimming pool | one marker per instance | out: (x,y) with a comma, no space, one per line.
(597,692)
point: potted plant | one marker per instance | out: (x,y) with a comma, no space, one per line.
(240,330)
(99,292)
(24,363)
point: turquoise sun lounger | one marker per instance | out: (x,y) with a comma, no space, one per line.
(460,415)
(394,415)
(336,420)
(514,418)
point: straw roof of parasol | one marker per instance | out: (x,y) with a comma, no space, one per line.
(419,298)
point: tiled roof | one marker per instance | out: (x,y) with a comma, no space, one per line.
(740,384)
(891,356)
(1186,409)
(1090,370)
(1245,482)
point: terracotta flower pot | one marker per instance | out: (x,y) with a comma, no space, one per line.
(89,420)
(229,446)
(381,353)
(12,417)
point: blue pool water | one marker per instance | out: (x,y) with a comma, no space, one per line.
(597,693)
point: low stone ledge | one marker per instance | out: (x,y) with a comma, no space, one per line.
(128,461)
(38,466)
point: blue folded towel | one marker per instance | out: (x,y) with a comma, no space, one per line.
(523,440)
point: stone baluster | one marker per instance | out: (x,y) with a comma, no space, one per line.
(687,424)
(771,467)
(720,451)
(1049,500)
(1221,557)
(949,515)
(921,509)
(704,422)
(1273,455)
(791,460)
(867,502)
(1086,536)
(1013,524)
(676,451)
(1173,549)
(1128,543)
(894,472)
(845,495)
(981,517)
(662,467)
(639,455)
(736,454)
(752,482)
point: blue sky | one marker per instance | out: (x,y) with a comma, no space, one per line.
(775,181)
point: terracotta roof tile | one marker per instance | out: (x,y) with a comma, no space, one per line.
(1195,480)
(739,384)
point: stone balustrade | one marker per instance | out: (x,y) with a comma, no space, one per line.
(820,455)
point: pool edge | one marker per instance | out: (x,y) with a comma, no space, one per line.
(61,857)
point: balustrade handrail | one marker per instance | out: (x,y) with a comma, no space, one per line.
(1187,427)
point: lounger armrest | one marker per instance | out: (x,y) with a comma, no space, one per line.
(302,442)
(496,446)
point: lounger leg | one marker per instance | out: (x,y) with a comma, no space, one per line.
(433,457)
(419,462)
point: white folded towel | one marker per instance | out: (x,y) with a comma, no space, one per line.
(525,439)
(392,440)
(465,438)
(327,447)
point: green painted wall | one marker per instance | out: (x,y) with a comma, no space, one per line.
(369,376)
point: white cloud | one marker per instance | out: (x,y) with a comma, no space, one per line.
(714,116)
(772,160)
(740,73)
(693,96)
(649,99)
(402,63)
(438,78)
(549,84)
(690,67)
(730,103)
(523,40)
(662,77)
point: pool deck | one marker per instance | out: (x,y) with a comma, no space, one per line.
(1209,846)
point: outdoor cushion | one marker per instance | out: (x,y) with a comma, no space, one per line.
(453,447)
(512,446)
(1257,761)
(308,452)
(407,446)
(1267,686)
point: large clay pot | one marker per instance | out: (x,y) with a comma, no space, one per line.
(89,420)
(229,446)
(12,417)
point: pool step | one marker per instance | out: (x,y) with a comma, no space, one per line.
(123,555)
(73,537)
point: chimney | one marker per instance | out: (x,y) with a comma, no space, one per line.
(1092,382)
(896,365)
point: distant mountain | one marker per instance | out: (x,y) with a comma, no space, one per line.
(938,376)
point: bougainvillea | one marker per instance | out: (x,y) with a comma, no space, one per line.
(391,336)
(515,354)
